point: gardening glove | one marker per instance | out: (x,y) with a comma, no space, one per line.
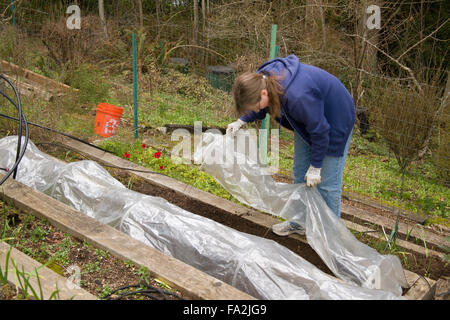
(312,176)
(234,127)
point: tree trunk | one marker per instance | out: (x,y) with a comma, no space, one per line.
(195,27)
(203,30)
(157,18)
(444,103)
(315,18)
(365,56)
(141,15)
(207,32)
(372,35)
(101,12)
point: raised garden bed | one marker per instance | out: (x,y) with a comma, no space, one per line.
(100,273)
(178,275)
(242,219)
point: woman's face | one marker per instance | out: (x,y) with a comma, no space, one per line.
(263,102)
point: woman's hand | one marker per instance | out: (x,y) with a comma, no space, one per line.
(312,176)
(234,127)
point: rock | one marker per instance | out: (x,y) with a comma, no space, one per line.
(442,289)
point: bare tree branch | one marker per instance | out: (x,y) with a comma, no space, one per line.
(401,65)
(419,42)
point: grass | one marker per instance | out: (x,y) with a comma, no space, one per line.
(162,108)
(26,290)
(371,171)
(409,260)
(189,174)
(173,97)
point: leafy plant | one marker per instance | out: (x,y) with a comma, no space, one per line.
(38,234)
(144,274)
(90,82)
(105,291)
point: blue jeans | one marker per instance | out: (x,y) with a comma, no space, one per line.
(331,174)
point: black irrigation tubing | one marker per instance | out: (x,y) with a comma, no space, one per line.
(57,131)
(20,152)
(80,140)
(146,292)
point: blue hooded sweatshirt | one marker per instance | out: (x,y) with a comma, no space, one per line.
(315,104)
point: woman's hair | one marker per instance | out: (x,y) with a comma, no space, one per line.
(247,91)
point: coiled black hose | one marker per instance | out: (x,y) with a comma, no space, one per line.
(20,150)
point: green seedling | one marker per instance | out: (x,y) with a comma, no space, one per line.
(144,274)
(101,253)
(446,248)
(163,285)
(105,291)
(38,234)
(92,267)
(129,263)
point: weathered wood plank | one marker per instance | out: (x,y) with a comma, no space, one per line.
(49,280)
(421,288)
(443,289)
(415,230)
(192,282)
(28,90)
(35,77)
(399,242)
(264,220)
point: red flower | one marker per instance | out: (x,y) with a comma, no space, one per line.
(161,167)
(157,154)
(143,146)
(126,155)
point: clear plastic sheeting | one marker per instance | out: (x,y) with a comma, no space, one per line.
(258,266)
(348,258)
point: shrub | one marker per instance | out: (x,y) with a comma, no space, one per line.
(89,80)
(403,117)
(441,150)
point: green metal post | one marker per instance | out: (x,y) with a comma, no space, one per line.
(264,134)
(161,56)
(135,88)
(13,15)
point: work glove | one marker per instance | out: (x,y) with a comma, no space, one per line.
(235,126)
(312,176)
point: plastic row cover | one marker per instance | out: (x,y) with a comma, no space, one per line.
(260,267)
(247,181)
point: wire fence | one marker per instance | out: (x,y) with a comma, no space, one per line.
(399,156)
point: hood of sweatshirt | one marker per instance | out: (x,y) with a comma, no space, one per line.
(287,68)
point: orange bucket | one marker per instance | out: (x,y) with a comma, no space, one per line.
(107,119)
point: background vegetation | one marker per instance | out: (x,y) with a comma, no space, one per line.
(398,76)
